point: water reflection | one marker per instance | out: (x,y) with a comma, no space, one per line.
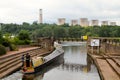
(72,67)
(75,55)
(75,59)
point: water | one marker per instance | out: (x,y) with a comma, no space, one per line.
(74,67)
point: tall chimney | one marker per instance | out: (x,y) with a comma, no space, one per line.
(40,16)
(0,27)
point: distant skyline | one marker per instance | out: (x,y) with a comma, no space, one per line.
(19,11)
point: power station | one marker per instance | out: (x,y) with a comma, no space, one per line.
(83,21)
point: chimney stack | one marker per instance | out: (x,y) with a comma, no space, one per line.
(40,16)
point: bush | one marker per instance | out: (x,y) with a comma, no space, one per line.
(23,42)
(6,43)
(27,42)
(13,47)
(2,50)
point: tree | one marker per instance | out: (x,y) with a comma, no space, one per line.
(115,31)
(2,50)
(64,25)
(75,31)
(104,31)
(47,31)
(25,24)
(23,35)
(59,32)
(1,37)
(6,40)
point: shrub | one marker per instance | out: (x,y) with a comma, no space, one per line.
(6,42)
(23,42)
(27,42)
(2,50)
(13,47)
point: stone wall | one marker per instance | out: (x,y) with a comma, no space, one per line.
(46,43)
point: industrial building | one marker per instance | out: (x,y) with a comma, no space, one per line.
(61,21)
(104,23)
(40,16)
(112,23)
(84,22)
(94,22)
(74,22)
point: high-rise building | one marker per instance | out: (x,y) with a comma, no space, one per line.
(61,21)
(40,16)
(112,23)
(84,22)
(74,22)
(94,23)
(104,23)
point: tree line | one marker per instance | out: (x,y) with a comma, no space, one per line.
(36,30)
(12,35)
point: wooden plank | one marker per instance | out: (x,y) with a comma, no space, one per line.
(10,70)
(107,72)
(117,60)
(114,65)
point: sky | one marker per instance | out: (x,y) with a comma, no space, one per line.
(19,11)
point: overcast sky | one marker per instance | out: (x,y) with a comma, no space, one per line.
(18,11)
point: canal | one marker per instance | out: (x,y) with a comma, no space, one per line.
(73,66)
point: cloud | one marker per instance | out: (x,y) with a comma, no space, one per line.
(18,11)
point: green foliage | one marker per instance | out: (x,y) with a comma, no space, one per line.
(0,35)
(16,41)
(27,42)
(75,31)
(6,42)
(1,38)
(2,50)
(47,31)
(23,35)
(64,25)
(104,31)
(13,47)
(59,32)
(33,31)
